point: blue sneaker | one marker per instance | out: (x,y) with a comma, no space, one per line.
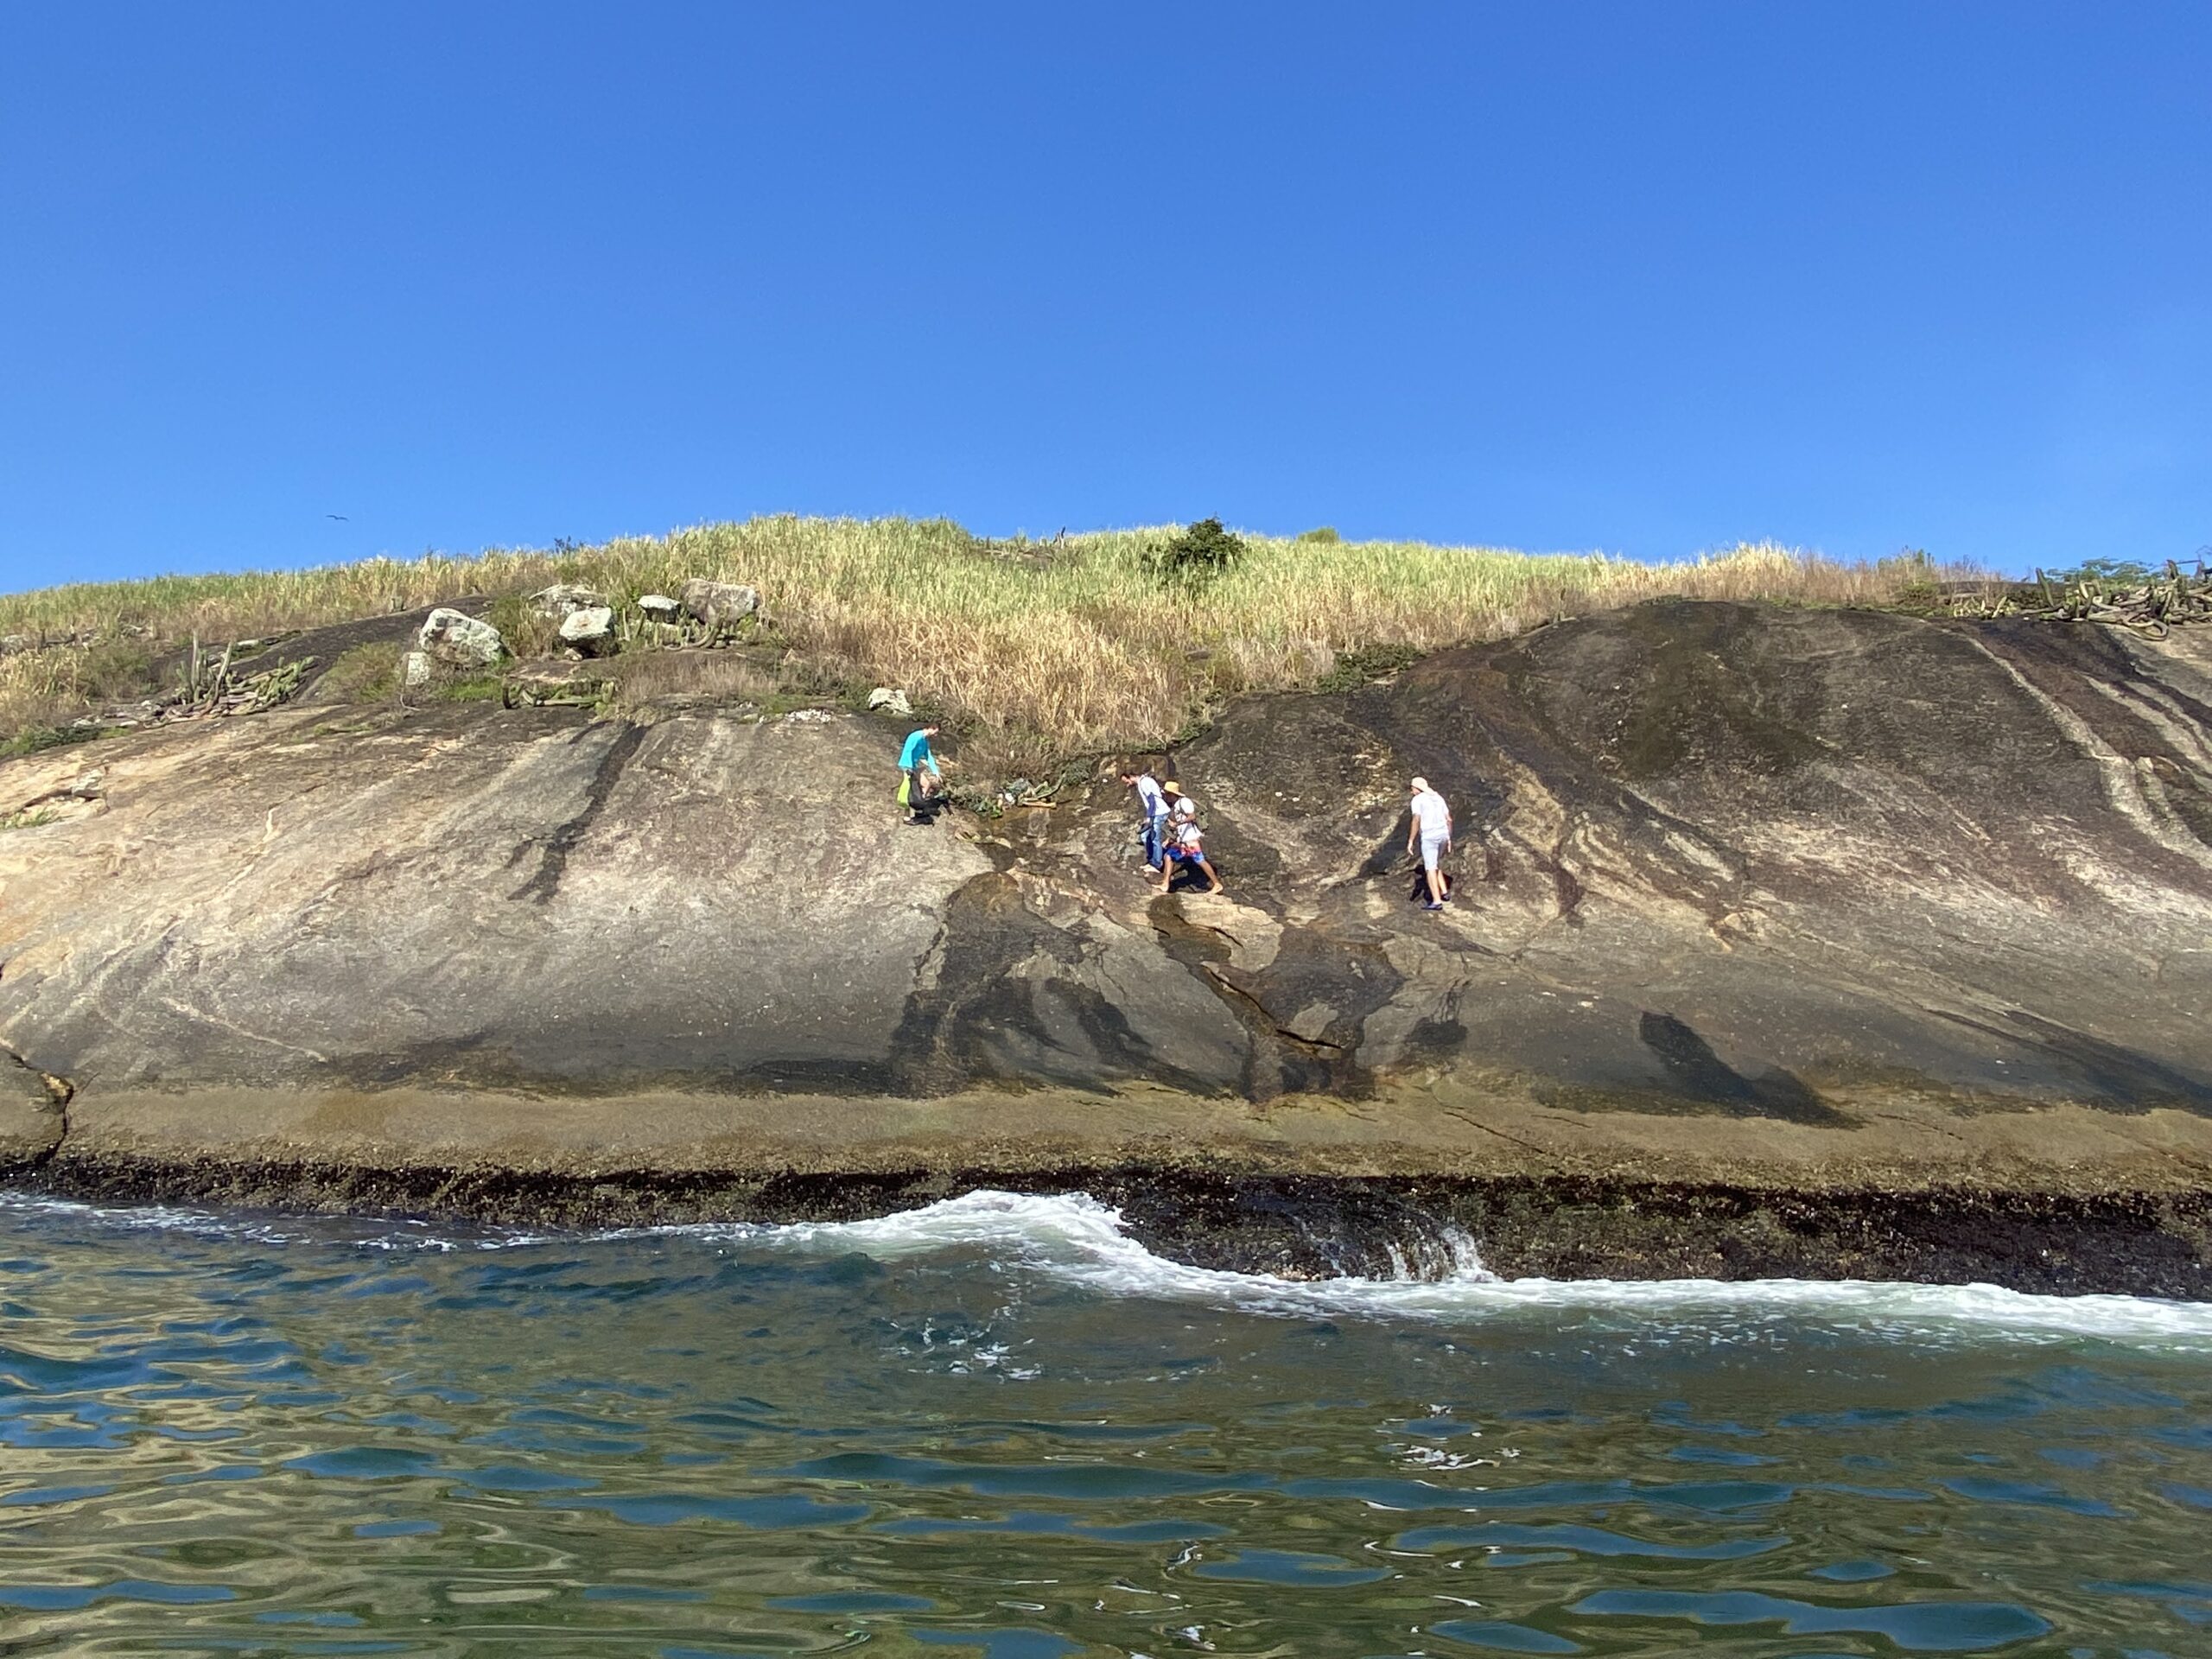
(1433,904)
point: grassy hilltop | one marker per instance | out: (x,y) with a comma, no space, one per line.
(1035,650)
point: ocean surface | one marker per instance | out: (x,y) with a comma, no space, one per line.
(999,1427)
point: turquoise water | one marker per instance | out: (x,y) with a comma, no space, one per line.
(999,1428)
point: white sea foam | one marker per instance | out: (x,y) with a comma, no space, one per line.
(1079,1240)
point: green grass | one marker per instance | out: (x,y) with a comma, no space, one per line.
(364,674)
(1037,650)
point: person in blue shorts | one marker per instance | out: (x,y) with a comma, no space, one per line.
(1186,845)
(918,762)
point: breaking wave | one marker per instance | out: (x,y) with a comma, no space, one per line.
(1079,1241)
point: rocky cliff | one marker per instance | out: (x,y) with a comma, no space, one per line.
(1768,922)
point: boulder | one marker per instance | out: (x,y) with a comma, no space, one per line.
(659,607)
(14,644)
(415,669)
(719,604)
(892,699)
(589,629)
(465,641)
(565,598)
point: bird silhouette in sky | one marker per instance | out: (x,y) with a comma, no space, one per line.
(339,517)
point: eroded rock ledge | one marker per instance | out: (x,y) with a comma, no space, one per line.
(1768,920)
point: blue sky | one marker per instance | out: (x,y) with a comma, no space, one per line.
(1650,278)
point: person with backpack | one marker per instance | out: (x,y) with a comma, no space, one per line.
(1151,802)
(1186,845)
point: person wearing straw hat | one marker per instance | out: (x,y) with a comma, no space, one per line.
(1431,829)
(1187,846)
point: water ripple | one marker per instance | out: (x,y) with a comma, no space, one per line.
(998,1429)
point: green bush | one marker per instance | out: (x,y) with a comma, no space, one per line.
(2102,573)
(364,674)
(38,739)
(1324,537)
(1197,556)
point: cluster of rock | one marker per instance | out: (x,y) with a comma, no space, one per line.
(587,620)
(704,612)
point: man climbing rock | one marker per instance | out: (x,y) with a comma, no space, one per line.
(1432,829)
(1151,802)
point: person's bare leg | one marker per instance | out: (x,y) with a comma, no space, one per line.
(1435,875)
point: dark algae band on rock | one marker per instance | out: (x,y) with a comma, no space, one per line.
(1309,1227)
(1807,941)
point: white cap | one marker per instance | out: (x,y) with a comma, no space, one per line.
(1419,784)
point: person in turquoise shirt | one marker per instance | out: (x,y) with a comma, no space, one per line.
(918,762)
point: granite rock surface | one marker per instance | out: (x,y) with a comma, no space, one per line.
(1741,893)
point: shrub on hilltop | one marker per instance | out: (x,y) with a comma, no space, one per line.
(1195,559)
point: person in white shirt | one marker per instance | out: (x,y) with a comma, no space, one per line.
(1431,829)
(1152,801)
(1186,845)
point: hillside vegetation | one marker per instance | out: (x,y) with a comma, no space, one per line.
(1033,651)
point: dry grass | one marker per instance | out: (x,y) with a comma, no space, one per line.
(1035,650)
(663,676)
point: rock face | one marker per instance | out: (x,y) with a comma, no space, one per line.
(1771,898)
(460,640)
(31,1118)
(1722,858)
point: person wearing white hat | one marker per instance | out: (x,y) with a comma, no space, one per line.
(1432,828)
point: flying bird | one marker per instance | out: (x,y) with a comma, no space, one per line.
(339,517)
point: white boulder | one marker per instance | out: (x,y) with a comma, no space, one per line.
(465,641)
(564,598)
(719,604)
(589,629)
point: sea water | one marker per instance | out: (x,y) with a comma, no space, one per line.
(999,1427)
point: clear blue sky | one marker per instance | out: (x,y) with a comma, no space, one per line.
(1647,277)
